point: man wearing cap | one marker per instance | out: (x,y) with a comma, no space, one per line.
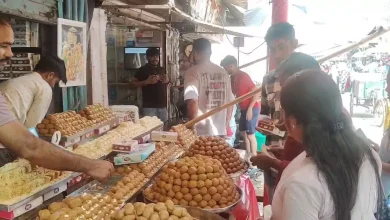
(206,87)
(153,81)
(29,96)
(17,139)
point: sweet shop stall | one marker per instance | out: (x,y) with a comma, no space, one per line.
(158,174)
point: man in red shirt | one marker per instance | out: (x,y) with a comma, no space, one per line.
(250,108)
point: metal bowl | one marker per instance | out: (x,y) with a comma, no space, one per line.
(239,173)
(201,214)
(220,210)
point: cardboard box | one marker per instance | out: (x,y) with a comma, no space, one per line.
(269,127)
(139,153)
(124,146)
(164,136)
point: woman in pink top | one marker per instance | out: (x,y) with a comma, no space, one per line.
(337,177)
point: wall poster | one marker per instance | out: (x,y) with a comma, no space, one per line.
(72,48)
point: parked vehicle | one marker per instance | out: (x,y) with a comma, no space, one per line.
(371,95)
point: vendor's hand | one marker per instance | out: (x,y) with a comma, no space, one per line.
(276,150)
(263,161)
(249,114)
(100,170)
(152,79)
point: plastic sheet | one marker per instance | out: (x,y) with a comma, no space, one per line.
(248,208)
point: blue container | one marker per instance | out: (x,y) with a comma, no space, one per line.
(260,139)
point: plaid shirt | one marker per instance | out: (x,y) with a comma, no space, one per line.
(270,102)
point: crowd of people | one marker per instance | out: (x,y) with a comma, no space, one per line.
(324,169)
(321,169)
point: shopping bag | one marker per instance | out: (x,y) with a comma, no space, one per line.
(247,208)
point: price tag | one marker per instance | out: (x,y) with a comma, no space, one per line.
(114,124)
(104,129)
(144,139)
(29,206)
(73,141)
(88,135)
(54,192)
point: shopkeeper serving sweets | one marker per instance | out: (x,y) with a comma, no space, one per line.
(29,96)
(153,81)
(16,138)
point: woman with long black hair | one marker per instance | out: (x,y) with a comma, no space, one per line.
(337,177)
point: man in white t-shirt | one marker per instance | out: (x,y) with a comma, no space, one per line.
(207,86)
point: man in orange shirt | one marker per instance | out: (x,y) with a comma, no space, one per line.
(250,108)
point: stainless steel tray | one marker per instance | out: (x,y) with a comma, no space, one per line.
(41,192)
(96,187)
(220,210)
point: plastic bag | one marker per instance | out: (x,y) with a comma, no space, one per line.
(247,208)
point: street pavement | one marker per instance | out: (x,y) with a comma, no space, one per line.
(362,118)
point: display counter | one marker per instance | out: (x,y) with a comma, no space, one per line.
(51,184)
(130,180)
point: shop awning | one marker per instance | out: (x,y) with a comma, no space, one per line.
(235,31)
(140,14)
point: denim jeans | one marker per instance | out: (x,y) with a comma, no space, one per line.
(161,113)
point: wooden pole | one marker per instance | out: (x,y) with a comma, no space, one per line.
(222,107)
(361,42)
(258,90)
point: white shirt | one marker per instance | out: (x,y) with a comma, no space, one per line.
(211,86)
(303,194)
(28,97)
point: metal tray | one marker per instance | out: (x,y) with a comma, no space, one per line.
(96,187)
(35,194)
(220,210)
